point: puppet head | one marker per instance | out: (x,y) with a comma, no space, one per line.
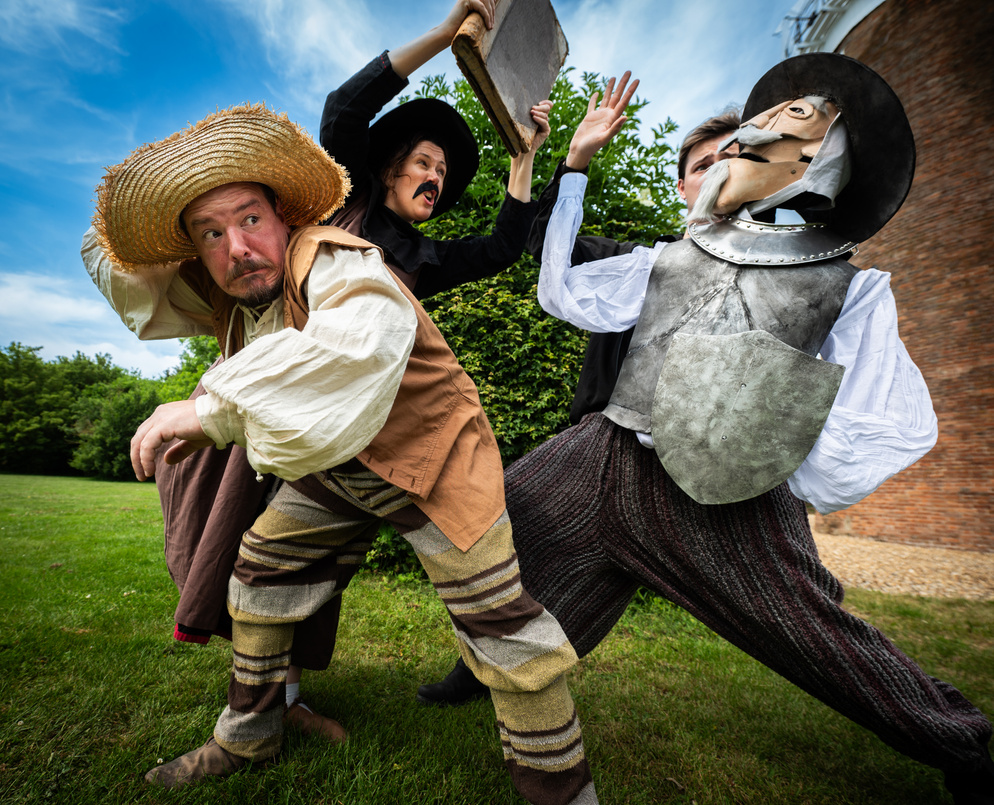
(824,135)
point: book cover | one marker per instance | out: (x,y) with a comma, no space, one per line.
(513,66)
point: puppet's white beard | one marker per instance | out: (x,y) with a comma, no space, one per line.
(715,179)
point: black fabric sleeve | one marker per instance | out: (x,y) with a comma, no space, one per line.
(469,259)
(350,109)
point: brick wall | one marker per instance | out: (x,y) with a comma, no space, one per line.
(938,58)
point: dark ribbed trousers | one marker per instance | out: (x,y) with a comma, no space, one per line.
(596,516)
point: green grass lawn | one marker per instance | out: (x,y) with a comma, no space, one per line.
(94,690)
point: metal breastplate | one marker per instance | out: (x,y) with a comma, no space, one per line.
(697,295)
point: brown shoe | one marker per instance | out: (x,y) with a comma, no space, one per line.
(210,760)
(311,723)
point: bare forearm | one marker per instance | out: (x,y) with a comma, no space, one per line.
(519,181)
(409,57)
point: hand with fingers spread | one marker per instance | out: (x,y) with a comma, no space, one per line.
(601,123)
(175,420)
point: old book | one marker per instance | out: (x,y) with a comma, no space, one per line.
(512,66)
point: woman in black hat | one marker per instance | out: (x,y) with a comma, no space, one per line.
(416,161)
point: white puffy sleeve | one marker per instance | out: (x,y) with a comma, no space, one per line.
(602,296)
(303,401)
(153,302)
(882,420)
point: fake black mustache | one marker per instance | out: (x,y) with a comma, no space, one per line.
(424,187)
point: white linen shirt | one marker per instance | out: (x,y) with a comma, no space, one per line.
(297,401)
(882,419)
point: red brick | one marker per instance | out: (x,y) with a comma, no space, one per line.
(938,58)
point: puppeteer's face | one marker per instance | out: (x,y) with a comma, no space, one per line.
(417,186)
(701,157)
(241,239)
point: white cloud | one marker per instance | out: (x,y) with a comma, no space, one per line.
(68,315)
(312,45)
(30,25)
(692,59)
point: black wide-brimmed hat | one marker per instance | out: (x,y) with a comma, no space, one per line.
(883,147)
(441,124)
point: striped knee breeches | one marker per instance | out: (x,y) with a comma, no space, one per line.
(302,552)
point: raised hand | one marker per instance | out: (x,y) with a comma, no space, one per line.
(601,123)
(540,114)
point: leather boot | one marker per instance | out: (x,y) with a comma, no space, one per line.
(311,723)
(459,687)
(210,760)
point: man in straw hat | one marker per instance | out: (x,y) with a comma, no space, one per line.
(334,380)
(414,163)
(722,422)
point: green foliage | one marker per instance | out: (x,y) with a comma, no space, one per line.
(106,417)
(390,553)
(36,406)
(524,362)
(199,352)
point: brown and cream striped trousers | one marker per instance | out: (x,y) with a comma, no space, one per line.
(301,553)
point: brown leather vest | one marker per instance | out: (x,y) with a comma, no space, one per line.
(437,444)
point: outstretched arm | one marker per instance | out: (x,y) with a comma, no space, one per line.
(350,108)
(409,57)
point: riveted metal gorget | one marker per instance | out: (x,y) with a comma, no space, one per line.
(753,243)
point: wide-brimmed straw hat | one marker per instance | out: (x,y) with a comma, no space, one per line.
(883,146)
(140,201)
(441,124)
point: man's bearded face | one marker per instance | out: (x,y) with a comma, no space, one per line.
(775,148)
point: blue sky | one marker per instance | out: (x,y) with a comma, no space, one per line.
(84,83)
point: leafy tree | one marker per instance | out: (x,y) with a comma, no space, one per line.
(36,406)
(199,352)
(106,417)
(526,363)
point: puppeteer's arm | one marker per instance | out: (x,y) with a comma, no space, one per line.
(302,401)
(350,108)
(603,296)
(154,302)
(882,419)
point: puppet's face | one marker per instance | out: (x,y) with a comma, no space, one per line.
(775,148)
(801,125)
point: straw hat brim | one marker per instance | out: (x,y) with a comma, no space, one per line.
(140,201)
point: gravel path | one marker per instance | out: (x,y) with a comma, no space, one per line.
(894,568)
